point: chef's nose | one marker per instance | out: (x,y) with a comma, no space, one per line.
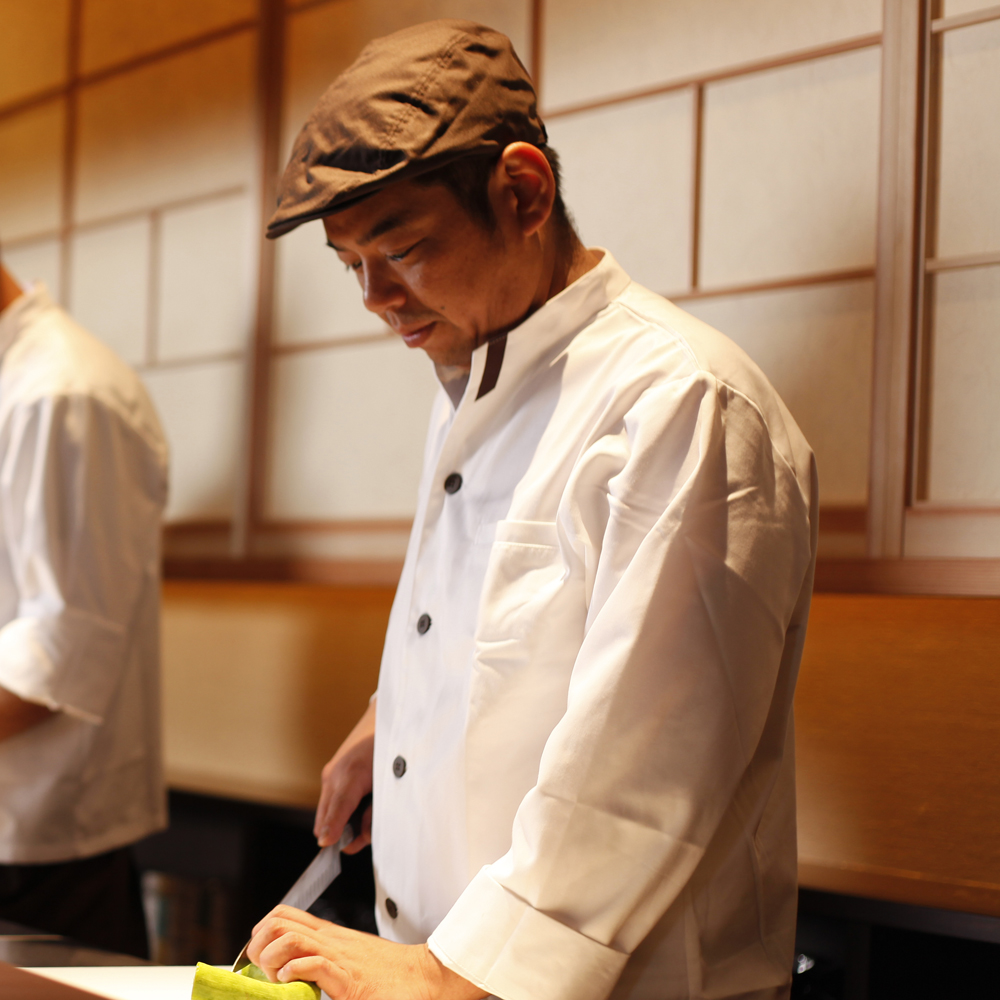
(382,289)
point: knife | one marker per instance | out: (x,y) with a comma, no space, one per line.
(322,870)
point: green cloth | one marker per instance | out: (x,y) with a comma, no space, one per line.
(249,983)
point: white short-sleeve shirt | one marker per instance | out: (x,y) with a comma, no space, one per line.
(83,481)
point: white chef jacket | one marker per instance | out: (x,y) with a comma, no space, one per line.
(584,751)
(83,479)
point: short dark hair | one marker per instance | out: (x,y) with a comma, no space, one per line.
(468,180)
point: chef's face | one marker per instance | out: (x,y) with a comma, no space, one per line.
(437,276)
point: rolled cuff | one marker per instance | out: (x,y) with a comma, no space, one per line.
(70,662)
(503,945)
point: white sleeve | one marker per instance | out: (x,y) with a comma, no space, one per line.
(704,549)
(80,500)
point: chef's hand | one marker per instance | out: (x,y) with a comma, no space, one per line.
(347,778)
(290,944)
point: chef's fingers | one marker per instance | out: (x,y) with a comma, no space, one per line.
(296,951)
(329,795)
(280,950)
(326,974)
(339,798)
(364,838)
(277,925)
(346,779)
(284,918)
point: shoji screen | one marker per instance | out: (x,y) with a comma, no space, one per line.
(956,504)
(128,167)
(727,154)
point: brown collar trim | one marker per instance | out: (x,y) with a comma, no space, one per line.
(494,361)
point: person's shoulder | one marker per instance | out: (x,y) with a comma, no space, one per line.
(55,357)
(690,349)
(663,328)
(707,349)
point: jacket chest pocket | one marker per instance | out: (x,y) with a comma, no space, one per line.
(525,576)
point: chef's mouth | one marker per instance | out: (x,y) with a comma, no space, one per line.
(417,336)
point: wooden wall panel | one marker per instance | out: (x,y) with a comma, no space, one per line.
(896,288)
(263,681)
(898,750)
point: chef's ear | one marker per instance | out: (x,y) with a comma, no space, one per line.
(524,187)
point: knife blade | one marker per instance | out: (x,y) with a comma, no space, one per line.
(320,872)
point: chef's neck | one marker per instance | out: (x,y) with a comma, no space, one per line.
(10,290)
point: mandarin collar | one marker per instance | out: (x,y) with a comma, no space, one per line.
(558,319)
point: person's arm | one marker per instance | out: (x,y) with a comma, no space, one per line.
(347,779)
(17,715)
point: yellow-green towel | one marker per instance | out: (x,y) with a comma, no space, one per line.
(249,983)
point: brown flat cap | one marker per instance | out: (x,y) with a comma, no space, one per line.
(411,102)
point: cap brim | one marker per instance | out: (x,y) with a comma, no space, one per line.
(280,225)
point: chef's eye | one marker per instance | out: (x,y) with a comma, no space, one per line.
(401,254)
(354,265)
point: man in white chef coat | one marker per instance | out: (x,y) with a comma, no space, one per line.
(580,750)
(83,478)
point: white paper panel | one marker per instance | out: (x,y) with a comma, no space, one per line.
(791,170)
(815,346)
(109,285)
(970,142)
(30,161)
(170,130)
(594,48)
(968,533)
(32,46)
(317,297)
(116,30)
(637,203)
(952,7)
(36,261)
(347,431)
(965,408)
(201,408)
(205,304)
